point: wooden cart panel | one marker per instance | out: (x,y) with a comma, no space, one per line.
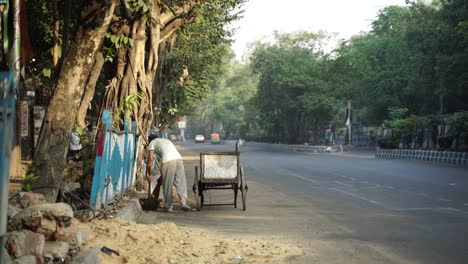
(219,171)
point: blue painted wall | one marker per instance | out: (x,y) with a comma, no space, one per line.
(115,170)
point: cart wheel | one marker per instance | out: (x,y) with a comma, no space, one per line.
(243,189)
(201,186)
(235,187)
(196,190)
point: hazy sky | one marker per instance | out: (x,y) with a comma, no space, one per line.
(345,17)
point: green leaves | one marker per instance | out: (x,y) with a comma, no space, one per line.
(46,72)
(139,6)
(114,42)
(120,41)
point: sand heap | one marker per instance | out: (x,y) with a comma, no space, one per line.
(165,243)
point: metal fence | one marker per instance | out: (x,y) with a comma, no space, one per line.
(115,165)
(7,124)
(290,148)
(447,157)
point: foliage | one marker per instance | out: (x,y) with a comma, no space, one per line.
(202,48)
(226,104)
(113,43)
(294,93)
(128,106)
(142,6)
(26,182)
(389,143)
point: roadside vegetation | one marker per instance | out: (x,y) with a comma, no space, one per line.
(407,74)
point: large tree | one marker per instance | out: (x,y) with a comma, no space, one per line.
(134,33)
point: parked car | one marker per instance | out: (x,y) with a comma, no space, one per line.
(199,139)
(215,138)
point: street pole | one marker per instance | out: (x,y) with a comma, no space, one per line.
(349,120)
(9,114)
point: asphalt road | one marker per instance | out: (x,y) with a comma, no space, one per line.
(341,208)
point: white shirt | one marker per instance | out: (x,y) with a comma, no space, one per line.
(164,149)
(75,141)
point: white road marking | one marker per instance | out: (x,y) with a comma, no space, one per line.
(364,181)
(465,204)
(358,197)
(453,209)
(452,184)
(345,184)
(390,187)
(301,177)
(413,209)
(435,209)
(444,200)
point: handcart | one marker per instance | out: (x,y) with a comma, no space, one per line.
(219,171)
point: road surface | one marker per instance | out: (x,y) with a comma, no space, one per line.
(341,208)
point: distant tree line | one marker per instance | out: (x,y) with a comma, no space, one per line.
(415,58)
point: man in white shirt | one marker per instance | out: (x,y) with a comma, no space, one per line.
(172,170)
(75,146)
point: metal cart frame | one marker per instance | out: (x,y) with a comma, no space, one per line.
(233,181)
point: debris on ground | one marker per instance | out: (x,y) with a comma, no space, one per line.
(167,243)
(42,232)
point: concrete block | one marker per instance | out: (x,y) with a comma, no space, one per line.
(69,234)
(56,249)
(47,228)
(6,259)
(87,256)
(26,199)
(12,211)
(131,211)
(24,242)
(30,218)
(68,187)
(28,259)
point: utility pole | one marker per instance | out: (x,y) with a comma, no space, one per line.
(349,120)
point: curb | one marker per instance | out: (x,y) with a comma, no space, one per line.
(444,157)
(290,148)
(131,211)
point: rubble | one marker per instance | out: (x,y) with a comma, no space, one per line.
(26,199)
(28,259)
(42,232)
(6,259)
(30,218)
(56,250)
(24,242)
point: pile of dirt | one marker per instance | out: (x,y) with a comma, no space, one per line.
(166,243)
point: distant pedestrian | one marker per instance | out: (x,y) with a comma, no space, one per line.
(172,170)
(75,146)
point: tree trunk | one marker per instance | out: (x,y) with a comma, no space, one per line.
(53,143)
(89,91)
(316,133)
